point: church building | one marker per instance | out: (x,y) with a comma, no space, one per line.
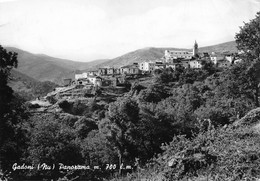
(172,55)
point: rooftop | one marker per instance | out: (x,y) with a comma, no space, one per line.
(130,66)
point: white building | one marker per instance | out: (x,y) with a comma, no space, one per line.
(147,66)
(172,55)
(96,80)
(81,76)
(159,65)
(130,69)
(216,57)
(87,78)
(229,57)
(195,64)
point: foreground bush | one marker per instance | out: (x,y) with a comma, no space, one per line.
(219,154)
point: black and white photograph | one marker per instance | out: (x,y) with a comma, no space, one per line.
(129,90)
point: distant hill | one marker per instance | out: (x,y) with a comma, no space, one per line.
(223,47)
(45,68)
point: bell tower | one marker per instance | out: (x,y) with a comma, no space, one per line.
(195,49)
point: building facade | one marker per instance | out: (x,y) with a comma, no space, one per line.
(216,57)
(81,76)
(195,64)
(147,66)
(130,69)
(172,55)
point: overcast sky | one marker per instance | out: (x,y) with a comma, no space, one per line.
(84,30)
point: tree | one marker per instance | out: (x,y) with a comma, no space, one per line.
(83,126)
(136,88)
(96,149)
(249,37)
(119,127)
(52,142)
(154,93)
(154,128)
(242,80)
(11,113)
(165,77)
(157,71)
(252,82)
(8,60)
(208,66)
(228,95)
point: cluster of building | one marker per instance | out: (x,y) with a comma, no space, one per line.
(172,58)
(191,59)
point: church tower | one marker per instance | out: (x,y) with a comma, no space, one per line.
(195,49)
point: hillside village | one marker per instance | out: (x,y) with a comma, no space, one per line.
(112,76)
(107,83)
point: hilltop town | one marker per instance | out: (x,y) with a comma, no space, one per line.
(88,83)
(171,58)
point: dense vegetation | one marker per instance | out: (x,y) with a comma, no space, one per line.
(178,127)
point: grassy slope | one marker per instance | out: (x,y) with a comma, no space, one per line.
(21,82)
(223,47)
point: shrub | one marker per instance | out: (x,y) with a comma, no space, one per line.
(51,99)
(64,104)
(78,108)
(222,154)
